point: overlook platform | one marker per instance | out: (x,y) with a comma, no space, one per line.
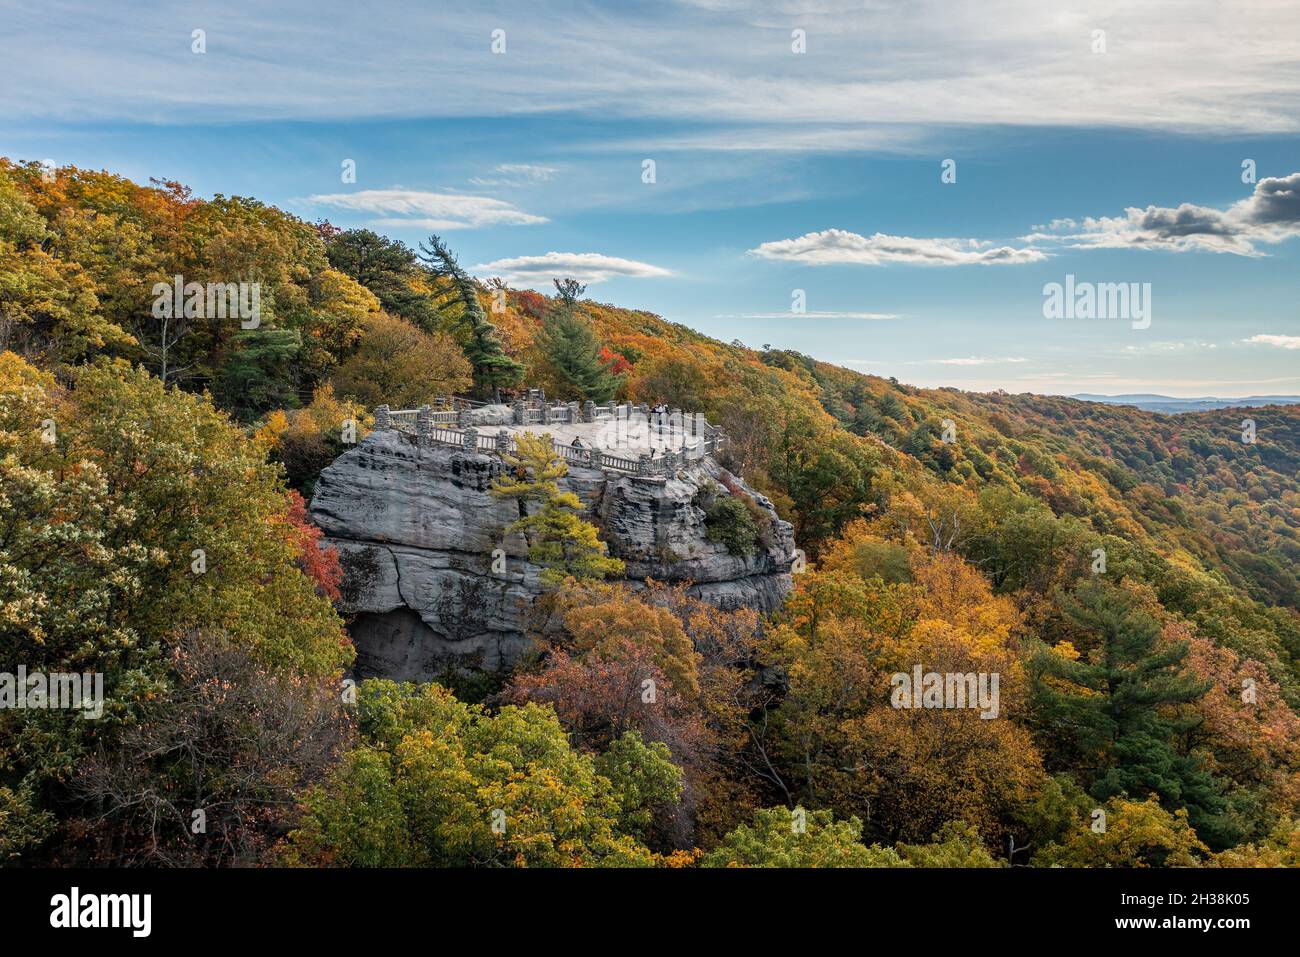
(617,437)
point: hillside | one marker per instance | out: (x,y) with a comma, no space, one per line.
(1168,404)
(1128,576)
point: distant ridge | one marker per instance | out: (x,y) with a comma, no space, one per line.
(1169,404)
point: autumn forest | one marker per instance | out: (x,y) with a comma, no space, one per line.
(1127,577)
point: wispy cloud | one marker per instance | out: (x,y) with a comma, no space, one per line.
(841,246)
(1019,62)
(1270,214)
(1148,348)
(416,208)
(979,360)
(1280,342)
(584,267)
(516,174)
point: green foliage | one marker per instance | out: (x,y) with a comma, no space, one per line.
(493,369)
(1118,705)
(776,838)
(728,520)
(259,374)
(389,269)
(22,826)
(573,353)
(438,783)
(1135,834)
(644,778)
(558,538)
(957,844)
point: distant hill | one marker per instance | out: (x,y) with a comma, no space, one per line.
(1172,406)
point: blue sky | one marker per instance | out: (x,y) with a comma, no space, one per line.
(1113,157)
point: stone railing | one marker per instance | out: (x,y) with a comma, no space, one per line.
(449,424)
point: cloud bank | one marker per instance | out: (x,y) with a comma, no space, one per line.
(841,246)
(584,267)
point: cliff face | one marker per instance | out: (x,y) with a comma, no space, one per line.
(416,529)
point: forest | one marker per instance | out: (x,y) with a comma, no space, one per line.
(1129,577)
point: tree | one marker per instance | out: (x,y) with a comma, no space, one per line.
(438,783)
(493,369)
(260,373)
(955,844)
(396,364)
(575,354)
(1120,704)
(646,781)
(558,539)
(1131,833)
(569,291)
(210,774)
(389,269)
(779,837)
(905,771)
(308,439)
(148,516)
(48,306)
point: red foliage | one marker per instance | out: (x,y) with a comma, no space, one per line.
(321,565)
(616,361)
(531,304)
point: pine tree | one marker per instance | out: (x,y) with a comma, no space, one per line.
(1119,705)
(558,539)
(493,369)
(574,352)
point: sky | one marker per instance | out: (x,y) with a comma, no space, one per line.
(904,189)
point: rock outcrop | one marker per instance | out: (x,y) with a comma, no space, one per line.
(417,529)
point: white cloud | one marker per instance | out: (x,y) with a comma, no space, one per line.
(516,174)
(1281,342)
(1168,347)
(1270,214)
(979,361)
(841,246)
(1168,65)
(584,267)
(428,210)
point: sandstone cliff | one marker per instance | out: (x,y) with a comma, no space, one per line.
(416,529)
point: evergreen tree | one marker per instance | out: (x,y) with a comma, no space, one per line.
(389,269)
(259,373)
(558,539)
(1119,706)
(573,351)
(493,369)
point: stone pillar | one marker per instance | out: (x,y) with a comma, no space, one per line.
(574,414)
(462,417)
(471,440)
(643,464)
(593,458)
(589,411)
(521,412)
(503,441)
(382,420)
(546,413)
(424,427)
